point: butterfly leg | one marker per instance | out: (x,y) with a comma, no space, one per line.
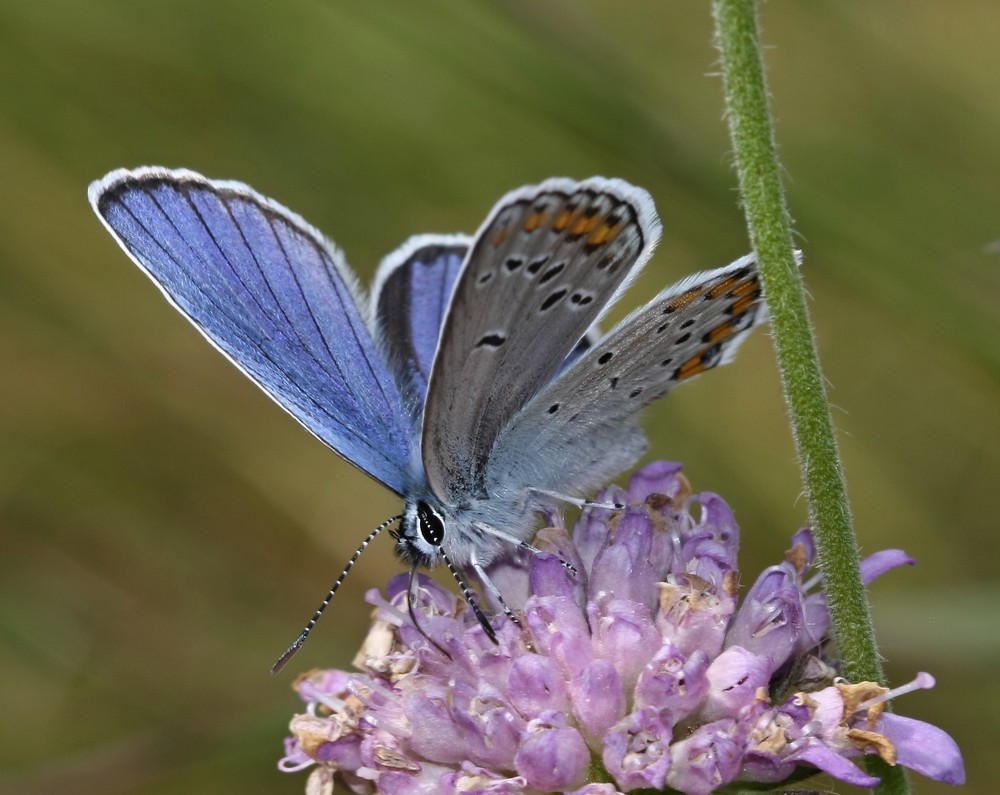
(577,502)
(470,597)
(484,578)
(536,551)
(514,541)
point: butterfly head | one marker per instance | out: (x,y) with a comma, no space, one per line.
(421,534)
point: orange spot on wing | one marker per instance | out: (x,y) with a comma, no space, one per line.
(605,233)
(561,221)
(721,332)
(691,367)
(743,304)
(500,236)
(583,225)
(723,287)
(684,299)
(749,287)
(532,222)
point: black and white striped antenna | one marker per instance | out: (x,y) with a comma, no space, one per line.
(297,643)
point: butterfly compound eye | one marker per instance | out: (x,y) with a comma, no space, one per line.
(431,524)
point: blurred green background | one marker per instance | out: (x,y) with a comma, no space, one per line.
(166,529)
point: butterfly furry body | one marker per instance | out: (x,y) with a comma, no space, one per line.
(473,382)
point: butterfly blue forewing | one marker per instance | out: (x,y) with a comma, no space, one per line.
(274,296)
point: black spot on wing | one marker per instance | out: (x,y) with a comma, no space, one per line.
(552,272)
(553,299)
(491,340)
(536,265)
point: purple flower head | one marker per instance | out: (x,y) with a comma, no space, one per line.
(639,671)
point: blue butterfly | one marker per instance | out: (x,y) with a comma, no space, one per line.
(473,383)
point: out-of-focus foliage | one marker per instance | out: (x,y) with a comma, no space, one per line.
(166,529)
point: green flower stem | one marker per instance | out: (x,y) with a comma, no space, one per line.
(805,395)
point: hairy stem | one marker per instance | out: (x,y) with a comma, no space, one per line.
(767,217)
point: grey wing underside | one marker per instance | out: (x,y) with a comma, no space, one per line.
(543,268)
(580,430)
